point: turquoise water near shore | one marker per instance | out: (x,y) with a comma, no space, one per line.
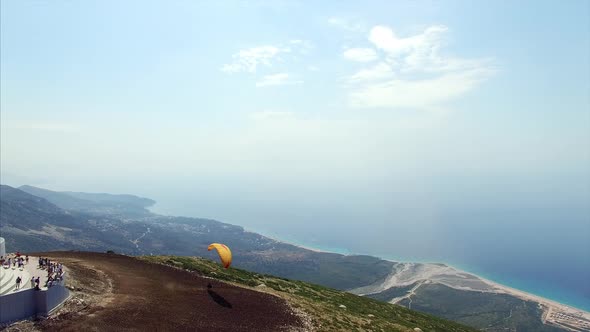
(529,285)
(544,251)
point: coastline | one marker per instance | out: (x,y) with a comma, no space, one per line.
(502,288)
(277,238)
(417,274)
(532,297)
(554,312)
(548,305)
(491,281)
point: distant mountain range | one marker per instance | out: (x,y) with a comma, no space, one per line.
(124,205)
(36,219)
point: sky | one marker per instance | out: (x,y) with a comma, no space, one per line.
(389,120)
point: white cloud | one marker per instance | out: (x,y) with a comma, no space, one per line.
(300,46)
(345,24)
(428,41)
(380,71)
(421,52)
(248,60)
(360,54)
(414,73)
(276,79)
(421,94)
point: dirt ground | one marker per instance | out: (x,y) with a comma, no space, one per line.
(121,293)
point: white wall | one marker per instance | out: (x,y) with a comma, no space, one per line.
(2,247)
(30,303)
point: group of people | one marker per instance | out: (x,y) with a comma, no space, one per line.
(46,263)
(34,283)
(54,270)
(14,261)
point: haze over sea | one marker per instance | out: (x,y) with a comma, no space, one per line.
(540,245)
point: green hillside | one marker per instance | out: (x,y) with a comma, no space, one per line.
(492,312)
(329,309)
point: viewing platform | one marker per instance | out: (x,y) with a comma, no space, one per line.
(8,276)
(28,300)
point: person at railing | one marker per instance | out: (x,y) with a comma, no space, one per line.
(49,282)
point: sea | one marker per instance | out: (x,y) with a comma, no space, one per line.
(564,279)
(537,249)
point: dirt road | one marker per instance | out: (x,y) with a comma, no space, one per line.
(121,293)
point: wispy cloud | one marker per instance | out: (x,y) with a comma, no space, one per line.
(299,46)
(250,59)
(277,79)
(413,72)
(346,24)
(425,94)
(421,52)
(378,72)
(360,54)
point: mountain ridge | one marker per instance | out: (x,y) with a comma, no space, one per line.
(94,203)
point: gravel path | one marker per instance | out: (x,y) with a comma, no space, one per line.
(121,293)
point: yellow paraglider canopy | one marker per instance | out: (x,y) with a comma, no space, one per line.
(224,253)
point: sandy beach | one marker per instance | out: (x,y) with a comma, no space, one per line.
(553,312)
(405,274)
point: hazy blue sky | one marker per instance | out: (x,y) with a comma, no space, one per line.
(394,117)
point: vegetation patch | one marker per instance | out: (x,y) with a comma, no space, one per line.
(494,312)
(329,309)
